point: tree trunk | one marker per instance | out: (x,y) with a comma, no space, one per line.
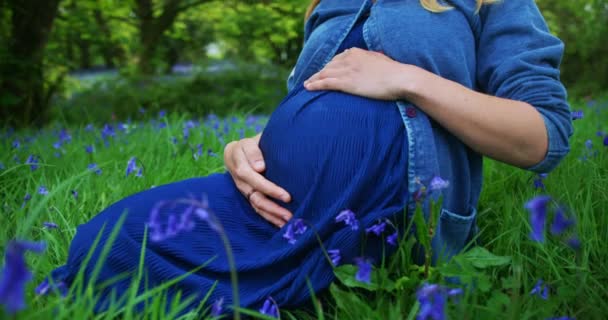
(24,101)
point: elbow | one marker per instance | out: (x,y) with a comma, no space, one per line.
(544,154)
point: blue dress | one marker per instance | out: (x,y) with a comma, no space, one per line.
(330,150)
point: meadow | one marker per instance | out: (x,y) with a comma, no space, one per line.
(53,179)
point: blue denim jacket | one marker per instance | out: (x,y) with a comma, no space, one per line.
(505,50)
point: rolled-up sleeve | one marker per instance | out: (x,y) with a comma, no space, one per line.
(518,58)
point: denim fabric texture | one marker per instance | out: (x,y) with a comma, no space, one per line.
(505,50)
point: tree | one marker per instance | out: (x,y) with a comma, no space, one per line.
(152,25)
(24,98)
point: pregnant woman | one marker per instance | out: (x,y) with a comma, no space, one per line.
(385,96)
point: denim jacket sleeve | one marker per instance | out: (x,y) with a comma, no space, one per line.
(517,58)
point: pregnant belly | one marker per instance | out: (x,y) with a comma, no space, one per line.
(323,140)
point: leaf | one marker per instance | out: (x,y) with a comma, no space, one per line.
(379,279)
(482,258)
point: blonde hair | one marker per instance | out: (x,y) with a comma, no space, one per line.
(431,5)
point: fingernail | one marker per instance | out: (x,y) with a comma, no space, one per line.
(259,164)
(285,198)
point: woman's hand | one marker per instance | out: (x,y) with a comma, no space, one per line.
(365,73)
(245,163)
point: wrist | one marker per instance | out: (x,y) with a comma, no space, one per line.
(409,84)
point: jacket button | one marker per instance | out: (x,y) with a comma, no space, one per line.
(410,112)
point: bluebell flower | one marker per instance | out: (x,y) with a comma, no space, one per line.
(43,190)
(89,148)
(89,127)
(364,271)
(50,225)
(576,115)
(561,318)
(107,131)
(437,183)
(26,198)
(46,287)
(540,290)
(57,145)
(186,134)
(75,194)
(538,181)
(377,228)
(2,166)
(16,144)
(93,167)
(538,216)
(270,308)
(560,223)
(142,110)
(348,217)
(432,299)
(32,161)
(297,227)
(15,274)
(574,243)
(600,133)
(334,255)
(162,113)
(64,136)
(606,141)
(132,166)
(216,307)
(393,239)
(589,144)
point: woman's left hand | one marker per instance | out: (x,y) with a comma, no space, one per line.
(365,73)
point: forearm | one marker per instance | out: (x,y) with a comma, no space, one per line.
(506,130)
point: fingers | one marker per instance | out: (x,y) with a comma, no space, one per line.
(256,181)
(253,154)
(325,84)
(269,210)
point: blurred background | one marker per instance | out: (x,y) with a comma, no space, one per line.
(93,61)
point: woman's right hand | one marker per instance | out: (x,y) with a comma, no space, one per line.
(245,163)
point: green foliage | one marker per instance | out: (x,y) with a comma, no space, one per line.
(246,88)
(497,276)
(583,26)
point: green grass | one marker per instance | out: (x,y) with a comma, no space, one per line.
(500,281)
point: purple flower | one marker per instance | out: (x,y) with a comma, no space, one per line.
(142,110)
(107,131)
(606,141)
(574,243)
(43,190)
(589,144)
(45,287)
(216,308)
(437,184)
(64,136)
(577,115)
(293,229)
(93,167)
(50,225)
(132,166)
(334,255)
(16,144)
(349,219)
(538,181)
(561,318)
(75,194)
(88,128)
(27,197)
(432,299)
(2,166)
(270,308)
(162,113)
(57,145)
(32,160)
(89,148)
(538,216)
(377,228)
(540,290)
(364,271)
(393,239)
(560,223)
(15,274)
